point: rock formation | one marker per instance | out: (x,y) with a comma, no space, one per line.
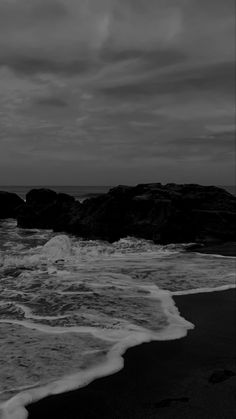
(164,213)
(44,208)
(9,204)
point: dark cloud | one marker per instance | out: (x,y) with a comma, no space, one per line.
(147,59)
(31,65)
(223,141)
(60,36)
(17,12)
(51,101)
(212,147)
(219,77)
(48,9)
(209,148)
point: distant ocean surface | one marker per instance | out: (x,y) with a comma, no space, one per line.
(79,192)
(69,307)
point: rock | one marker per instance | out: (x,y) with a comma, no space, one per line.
(221,375)
(164,213)
(40,197)
(45,209)
(9,204)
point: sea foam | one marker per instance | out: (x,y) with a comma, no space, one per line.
(204,290)
(177,328)
(104,297)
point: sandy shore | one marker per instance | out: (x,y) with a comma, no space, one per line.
(193,377)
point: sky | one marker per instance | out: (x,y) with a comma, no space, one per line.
(104,92)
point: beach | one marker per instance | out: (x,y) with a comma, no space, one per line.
(193,377)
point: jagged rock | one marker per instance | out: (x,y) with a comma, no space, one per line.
(170,213)
(9,204)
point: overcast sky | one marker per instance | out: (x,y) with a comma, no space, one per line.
(116,91)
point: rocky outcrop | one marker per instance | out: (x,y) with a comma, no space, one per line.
(164,213)
(45,208)
(9,204)
(170,213)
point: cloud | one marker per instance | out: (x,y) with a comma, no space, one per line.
(72,36)
(51,101)
(113,83)
(175,79)
(32,64)
(50,35)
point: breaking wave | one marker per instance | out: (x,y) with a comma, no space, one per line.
(103,297)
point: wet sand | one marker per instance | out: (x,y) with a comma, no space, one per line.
(224,249)
(189,378)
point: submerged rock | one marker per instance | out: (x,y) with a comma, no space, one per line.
(9,204)
(164,213)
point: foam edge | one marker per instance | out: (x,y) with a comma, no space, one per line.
(15,408)
(204,290)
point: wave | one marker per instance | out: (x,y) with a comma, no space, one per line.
(215,255)
(109,296)
(176,329)
(204,290)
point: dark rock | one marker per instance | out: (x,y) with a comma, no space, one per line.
(221,375)
(171,213)
(168,402)
(163,213)
(45,209)
(9,204)
(40,197)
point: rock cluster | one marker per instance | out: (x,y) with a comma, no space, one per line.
(45,208)
(164,213)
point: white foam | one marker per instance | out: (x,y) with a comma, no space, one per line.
(204,290)
(177,328)
(214,255)
(57,248)
(29,315)
(94,267)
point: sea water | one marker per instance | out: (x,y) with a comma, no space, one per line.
(69,308)
(79,192)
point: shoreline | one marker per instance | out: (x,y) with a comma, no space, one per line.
(162,379)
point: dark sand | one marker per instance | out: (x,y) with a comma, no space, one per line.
(181,379)
(224,249)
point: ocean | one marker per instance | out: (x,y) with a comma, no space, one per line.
(69,308)
(79,192)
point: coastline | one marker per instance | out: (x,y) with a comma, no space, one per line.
(165,379)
